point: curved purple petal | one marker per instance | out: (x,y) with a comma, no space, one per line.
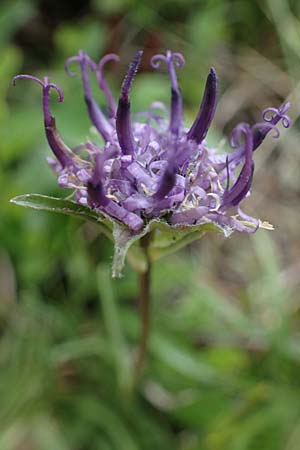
(96,115)
(27,77)
(271,116)
(59,148)
(206,113)
(103,83)
(172,59)
(123,120)
(239,190)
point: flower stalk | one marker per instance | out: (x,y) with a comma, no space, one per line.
(145,310)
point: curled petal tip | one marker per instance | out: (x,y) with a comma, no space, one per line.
(107,58)
(234,195)
(60,150)
(286,121)
(103,85)
(46,85)
(156,60)
(178,59)
(266,128)
(173,61)
(103,61)
(67,65)
(58,89)
(82,59)
(95,113)
(27,77)
(272,116)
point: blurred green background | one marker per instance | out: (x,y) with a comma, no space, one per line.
(224,361)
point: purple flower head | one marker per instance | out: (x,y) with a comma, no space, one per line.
(157,170)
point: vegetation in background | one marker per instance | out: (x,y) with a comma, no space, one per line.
(224,354)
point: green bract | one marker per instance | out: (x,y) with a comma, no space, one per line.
(165,239)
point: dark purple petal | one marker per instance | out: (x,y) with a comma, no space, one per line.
(239,190)
(172,59)
(96,196)
(207,109)
(167,181)
(176,111)
(123,120)
(97,117)
(95,189)
(95,186)
(59,148)
(123,127)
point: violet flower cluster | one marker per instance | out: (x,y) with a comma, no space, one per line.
(155,168)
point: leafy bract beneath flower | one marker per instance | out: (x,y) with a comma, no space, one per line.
(154,176)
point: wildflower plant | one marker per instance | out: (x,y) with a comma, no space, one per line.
(152,181)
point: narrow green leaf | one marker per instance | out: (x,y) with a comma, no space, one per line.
(46,203)
(105,418)
(62,206)
(113,327)
(184,362)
